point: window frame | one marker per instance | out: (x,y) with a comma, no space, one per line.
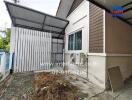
(74,40)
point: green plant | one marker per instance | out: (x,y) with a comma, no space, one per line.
(5,40)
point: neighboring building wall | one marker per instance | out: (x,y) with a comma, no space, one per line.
(119,45)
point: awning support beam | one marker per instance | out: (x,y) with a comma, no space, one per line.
(64,29)
(43,22)
(36,22)
(27,27)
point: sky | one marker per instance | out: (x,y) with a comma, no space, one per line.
(46,6)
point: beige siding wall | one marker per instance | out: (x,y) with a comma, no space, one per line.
(118,36)
(95,29)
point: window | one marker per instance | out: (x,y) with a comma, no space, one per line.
(71,42)
(75,41)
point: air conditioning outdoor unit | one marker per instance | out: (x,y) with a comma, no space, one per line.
(77,59)
(72,58)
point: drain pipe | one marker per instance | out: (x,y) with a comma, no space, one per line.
(12,63)
(87,63)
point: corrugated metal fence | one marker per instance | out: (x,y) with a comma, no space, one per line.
(32,49)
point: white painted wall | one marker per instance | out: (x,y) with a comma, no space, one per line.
(97,70)
(79,20)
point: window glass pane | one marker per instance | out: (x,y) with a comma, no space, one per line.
(75,41)
(78,40)
(71,42)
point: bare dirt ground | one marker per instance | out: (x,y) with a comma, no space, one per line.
(18,87)
(48,86)
(54,87)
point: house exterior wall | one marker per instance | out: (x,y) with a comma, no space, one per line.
(118,36)
(64,8)
(95,29)
(78,20)
(123,61)
(117,50)
(75,4)
(96,57)
(97,69)
(118,45)
(106,41)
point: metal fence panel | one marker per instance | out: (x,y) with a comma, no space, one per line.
(32,49)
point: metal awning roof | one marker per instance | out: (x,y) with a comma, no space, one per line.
(108,4)
(28,18)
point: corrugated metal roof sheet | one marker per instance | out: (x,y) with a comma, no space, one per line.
(28,18)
